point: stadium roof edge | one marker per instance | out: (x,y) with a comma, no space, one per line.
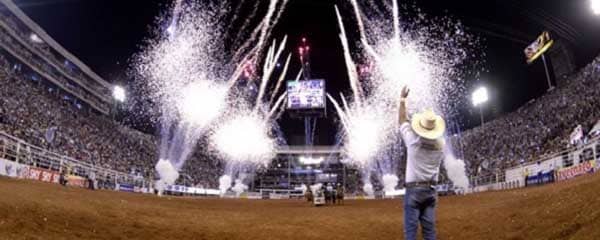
(50,41)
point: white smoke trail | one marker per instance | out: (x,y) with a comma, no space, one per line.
(396,20)
(168,175)
(281,79)
(455,169)
(350,66)
(268,68)
(368,189)
(299,75)
(390,182)
(278,103)
(239,187)
(224,184)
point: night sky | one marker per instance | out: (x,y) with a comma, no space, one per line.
(104,34)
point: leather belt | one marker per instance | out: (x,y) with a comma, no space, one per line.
(420,184)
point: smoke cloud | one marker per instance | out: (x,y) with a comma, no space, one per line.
(368,189)
(239,187)
(455,169)
(168,175)
(224,184)
(390,182)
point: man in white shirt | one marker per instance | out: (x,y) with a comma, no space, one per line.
(423,137)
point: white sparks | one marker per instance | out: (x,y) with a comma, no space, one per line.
(427,55)
(187,70)
(390,181)
(119,93)
(366,131)
(244,139)
(201,102)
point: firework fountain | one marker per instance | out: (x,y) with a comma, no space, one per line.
(244,139)
(190,73)
(423,54)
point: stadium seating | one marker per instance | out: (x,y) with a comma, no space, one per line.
(33,110)
(538,128)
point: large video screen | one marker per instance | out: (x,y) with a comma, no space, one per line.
(307,94)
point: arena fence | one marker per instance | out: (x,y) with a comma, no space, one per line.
(559,166)
(16,152)
(44,165)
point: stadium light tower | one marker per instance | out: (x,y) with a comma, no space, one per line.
(596,6)
(479,97)
(119,93)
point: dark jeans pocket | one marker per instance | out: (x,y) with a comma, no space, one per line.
(425,197)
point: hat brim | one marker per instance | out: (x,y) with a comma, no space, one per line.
(432,134)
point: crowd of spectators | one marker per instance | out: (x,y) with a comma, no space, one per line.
(37,112)
(538,128)
(18,38)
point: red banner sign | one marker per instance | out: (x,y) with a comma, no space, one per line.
(574,171)
(43,175)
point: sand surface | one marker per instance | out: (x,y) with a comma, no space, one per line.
(35,210)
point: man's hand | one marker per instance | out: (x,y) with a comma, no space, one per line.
(404,92)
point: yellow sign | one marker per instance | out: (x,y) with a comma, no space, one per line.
(539,47)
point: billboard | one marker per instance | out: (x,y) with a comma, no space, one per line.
(307,94)
(537,48)
(574,171)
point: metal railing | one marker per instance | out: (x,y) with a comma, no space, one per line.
(19,151)
(500,177)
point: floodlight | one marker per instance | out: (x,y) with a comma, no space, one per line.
(480,96)
(119,93)
(35,38)
(596,6)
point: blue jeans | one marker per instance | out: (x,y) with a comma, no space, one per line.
(419,207)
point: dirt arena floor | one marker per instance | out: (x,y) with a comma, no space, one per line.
(33,210)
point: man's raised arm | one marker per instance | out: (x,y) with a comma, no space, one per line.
(402,117)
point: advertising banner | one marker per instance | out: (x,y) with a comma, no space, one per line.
(574,171)
(192,190)
(539,179)
(13,169)
(43,175)
(76,181)
(126,187)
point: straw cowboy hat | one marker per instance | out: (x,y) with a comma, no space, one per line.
(428,125)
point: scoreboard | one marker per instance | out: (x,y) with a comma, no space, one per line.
(306,94)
